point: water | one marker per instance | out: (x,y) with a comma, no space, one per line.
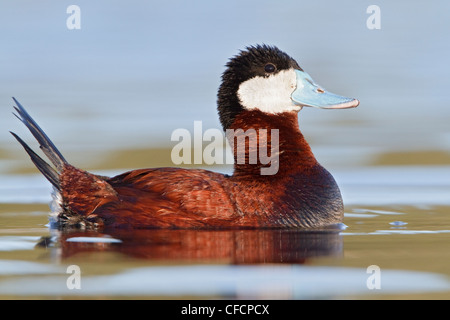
(408,239)
(110,95)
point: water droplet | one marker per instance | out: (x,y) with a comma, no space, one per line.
(398,223)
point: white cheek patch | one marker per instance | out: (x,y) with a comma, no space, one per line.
(271,94)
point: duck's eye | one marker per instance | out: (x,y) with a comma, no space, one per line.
(269,68)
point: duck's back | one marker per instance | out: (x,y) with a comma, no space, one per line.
(156,198)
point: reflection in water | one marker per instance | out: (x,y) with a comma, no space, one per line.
(230,246)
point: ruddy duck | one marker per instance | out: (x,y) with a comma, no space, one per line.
(262,89)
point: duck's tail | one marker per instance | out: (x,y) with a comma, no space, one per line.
(46,145)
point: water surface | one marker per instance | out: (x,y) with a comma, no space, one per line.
(111,94)
(407,240)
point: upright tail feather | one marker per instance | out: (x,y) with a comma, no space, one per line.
(46,145)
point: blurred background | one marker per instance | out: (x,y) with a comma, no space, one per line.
(111,93)
(113,90)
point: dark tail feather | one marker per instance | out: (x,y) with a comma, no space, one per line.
(46,145)
(43,166)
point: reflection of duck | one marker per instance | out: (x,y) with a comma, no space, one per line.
(262,89)
(225,246)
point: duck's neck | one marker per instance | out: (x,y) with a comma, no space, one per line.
(273,144)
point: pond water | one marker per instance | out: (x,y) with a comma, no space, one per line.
(110,95)
(399,224)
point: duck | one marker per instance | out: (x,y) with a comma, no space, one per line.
(262,91)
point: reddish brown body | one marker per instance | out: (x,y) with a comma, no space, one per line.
(262,90)
(186,198)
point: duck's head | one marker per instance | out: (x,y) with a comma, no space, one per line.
(266,79)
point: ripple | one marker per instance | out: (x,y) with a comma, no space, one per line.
(94,240)
(403,231)
(237,281)
(17,267)
(13,243)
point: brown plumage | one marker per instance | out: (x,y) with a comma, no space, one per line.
(301,193)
